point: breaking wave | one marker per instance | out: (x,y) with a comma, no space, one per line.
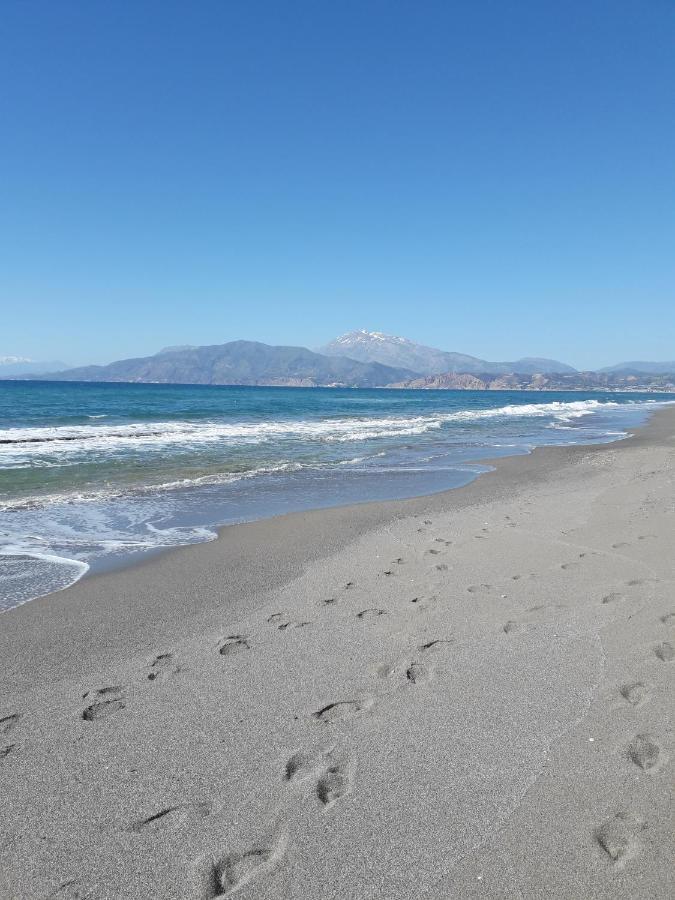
(49,445)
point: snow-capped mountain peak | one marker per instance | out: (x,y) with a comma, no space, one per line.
(12,360)
(362,336)
(391,350)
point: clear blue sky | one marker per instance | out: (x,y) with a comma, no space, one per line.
(495,177)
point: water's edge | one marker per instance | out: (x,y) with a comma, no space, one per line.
(34,565)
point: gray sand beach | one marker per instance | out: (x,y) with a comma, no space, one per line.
(468,695)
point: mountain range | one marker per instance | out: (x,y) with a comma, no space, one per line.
(241,362)
(642,368)
(374,346)
(356,359)
(16,366)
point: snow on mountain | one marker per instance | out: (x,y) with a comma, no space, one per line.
(392,350)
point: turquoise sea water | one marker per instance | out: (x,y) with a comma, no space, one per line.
(91,473)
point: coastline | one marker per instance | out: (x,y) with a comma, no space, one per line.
(225,737)
(132,558)
(304,537)
(130,511)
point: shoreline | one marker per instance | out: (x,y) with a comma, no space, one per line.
(489,463)
(462,694)
(330,527)
(133,559)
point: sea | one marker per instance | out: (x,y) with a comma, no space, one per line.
(93,476)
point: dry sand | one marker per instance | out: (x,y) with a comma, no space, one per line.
(465,695)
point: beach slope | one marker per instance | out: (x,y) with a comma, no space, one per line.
(464,695)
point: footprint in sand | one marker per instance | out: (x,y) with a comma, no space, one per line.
(422,603)
(233,644)
(286,625)
(617,837)
(441,567)
(387,669)
(327,768)
(634,692)
(7,723)
(665,652)
(163,666)
(435,645)
(333,784)
(416,673)
(174,817)
(371,613)
(229,873)
(411,672)
(282,623)
(341,709)
(668,619)
(102,708)
(76,889)
(645,753)
(301,765)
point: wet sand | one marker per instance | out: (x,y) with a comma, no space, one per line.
(464,695)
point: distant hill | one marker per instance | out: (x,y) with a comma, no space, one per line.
(374,346)
(521,381)
(176,349)
(240,363)
(15,366)
(364,359)
(642,368)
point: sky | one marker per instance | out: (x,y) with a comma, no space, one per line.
(493,177)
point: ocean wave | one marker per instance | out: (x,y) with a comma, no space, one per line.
(129,491)
(19,445)
(558,409)
(28,571)
(32,566)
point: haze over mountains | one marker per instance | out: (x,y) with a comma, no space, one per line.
(642,368)
(355,359)
(16,366)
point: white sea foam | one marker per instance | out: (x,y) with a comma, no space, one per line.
(34,565)
(72,498)
(28,571)
(47,446)
(24,548)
